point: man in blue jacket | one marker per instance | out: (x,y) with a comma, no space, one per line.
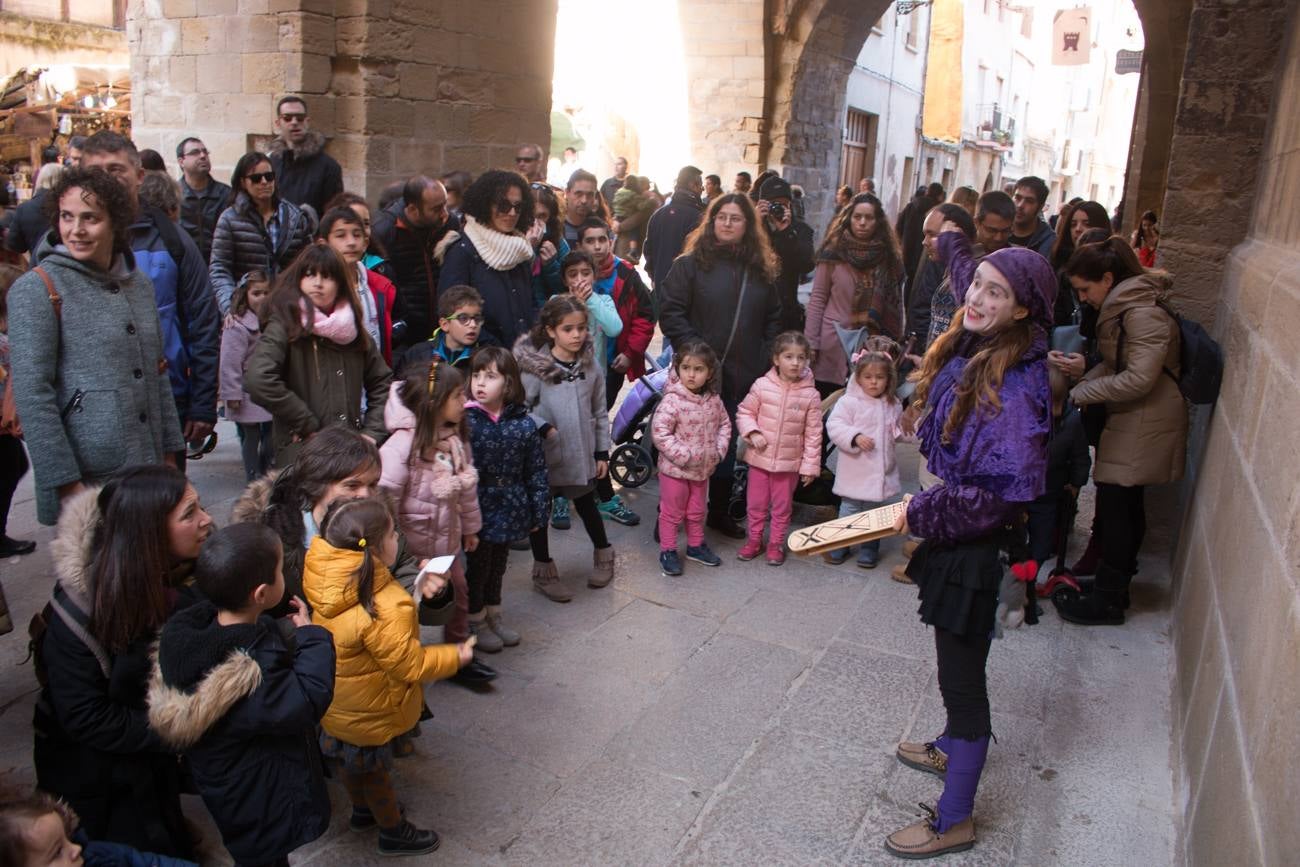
(187,308)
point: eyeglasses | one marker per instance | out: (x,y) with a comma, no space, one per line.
(525,159)
(467,318)
(290,118)
(201,152)
(261,177)
(506,206)
(535,185)
(728,219)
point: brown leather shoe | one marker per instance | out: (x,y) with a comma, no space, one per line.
(899,574)
(919,840)
(924,757)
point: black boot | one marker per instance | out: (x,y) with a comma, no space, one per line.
(1104,606)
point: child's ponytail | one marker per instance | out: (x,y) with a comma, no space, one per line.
(359,525)
(424,391)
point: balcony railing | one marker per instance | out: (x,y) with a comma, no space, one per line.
(995,127)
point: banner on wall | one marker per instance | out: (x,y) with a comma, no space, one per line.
(1072,36)
(941,110)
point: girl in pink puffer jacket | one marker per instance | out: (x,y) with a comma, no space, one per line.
(780,422)
(428,470)
(691,431)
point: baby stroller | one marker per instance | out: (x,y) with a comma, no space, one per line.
(633,460)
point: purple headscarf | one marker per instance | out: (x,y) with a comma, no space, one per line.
(1031,278)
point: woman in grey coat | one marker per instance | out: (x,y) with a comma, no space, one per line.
(90,377)
(258,232)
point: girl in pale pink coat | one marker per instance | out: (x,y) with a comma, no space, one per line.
(428,470)
(691,431)
(780,422)
(864,425)
(237,341)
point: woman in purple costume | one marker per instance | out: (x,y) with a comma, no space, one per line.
(988,417)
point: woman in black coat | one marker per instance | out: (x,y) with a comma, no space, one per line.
(258,232)
(494,256)
(123,555)
(722,290)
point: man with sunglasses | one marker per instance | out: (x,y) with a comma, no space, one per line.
(529,163)
(304,173)
(203,197)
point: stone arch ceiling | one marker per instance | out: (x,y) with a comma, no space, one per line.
(812,47)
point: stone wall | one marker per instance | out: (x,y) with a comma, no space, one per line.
(398,86)
(723,43)
(39,41)
(1237,576)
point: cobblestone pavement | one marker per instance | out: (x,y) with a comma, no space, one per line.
(738,715)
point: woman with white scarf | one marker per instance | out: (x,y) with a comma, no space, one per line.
(494,255)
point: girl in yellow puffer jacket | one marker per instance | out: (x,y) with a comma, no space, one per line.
(380,663)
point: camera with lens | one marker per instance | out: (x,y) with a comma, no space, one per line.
(776,212)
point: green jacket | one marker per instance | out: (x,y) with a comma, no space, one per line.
(311,383)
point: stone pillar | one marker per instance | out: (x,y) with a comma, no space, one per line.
(1236,623)
(1223,111)
(398,86)
(1165,27)
(723,43)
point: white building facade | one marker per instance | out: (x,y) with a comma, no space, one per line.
(882,123)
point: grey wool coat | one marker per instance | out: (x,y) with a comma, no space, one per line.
(91,384)
(572,403)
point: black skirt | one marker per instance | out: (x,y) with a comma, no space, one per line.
(958,584)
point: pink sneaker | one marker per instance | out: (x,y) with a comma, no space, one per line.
(775,555)
(751,550)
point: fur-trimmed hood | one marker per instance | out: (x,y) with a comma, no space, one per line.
(254,500)
(539,361)
(200,670)
(73,548)
(313,144)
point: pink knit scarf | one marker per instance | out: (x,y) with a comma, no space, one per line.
(339,326)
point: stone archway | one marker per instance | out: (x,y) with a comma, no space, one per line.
(812,47)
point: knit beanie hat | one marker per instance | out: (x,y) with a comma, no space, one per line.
(1032,280)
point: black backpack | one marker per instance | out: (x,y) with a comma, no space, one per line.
(1200,359)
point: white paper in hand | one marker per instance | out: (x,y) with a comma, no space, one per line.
(436,566)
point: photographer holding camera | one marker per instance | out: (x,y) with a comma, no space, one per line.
(792,239)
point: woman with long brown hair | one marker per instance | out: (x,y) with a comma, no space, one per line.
(984,387)
(1074,221)
(858,284)
(122,555)
(722,291)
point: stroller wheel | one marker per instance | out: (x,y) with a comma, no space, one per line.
(630,465)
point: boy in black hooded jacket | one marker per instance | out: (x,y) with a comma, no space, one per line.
(241,694)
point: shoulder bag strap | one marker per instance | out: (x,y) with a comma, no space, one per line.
(78,626)
(735,322)
(56,300)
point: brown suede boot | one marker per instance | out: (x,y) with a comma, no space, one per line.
(910,546)
(602,568)
(899,574)
(546,581)
(920,840)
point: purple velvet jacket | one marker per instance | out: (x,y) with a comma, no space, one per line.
(995,463)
